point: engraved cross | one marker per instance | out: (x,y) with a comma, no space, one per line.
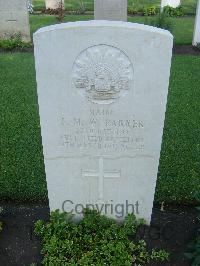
(101,174)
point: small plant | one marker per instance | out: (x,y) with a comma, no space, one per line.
(150,11)
(173,12)
(132,10)
(136,7)
(14,42)
(81,9)
(193,253)
(60,12)
(160,21)
(95,240)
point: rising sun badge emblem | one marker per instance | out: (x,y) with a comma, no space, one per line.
(102,73)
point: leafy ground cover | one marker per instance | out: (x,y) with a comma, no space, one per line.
(95,240)
(22,175)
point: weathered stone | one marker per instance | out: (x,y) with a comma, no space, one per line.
(110,10)
(14,19)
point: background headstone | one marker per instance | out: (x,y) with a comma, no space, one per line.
(196,37)
(14,19)
(102,105)
(172,3)
(54,4)
(110,10)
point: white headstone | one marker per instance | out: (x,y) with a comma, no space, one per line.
(110,10)
(102,107)
(54,4)
(196,37)
(14,19)
(172,3)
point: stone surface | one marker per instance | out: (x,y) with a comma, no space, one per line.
(196,37)
(172,3)
(110,10)
(54,4)
(14,19)
(102,105)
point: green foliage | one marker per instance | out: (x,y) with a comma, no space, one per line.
(14,42)
(150,11)
(132,10)
(141,7)
(81,10)
(161,21)
(95,240)
(193,254)
(173,12)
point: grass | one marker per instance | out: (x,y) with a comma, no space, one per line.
(22,175)
(182,27)
(38,21)
(22,171)
(188,5)
(179,174)
(183,30)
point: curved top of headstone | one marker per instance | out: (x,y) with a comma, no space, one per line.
(103,23)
